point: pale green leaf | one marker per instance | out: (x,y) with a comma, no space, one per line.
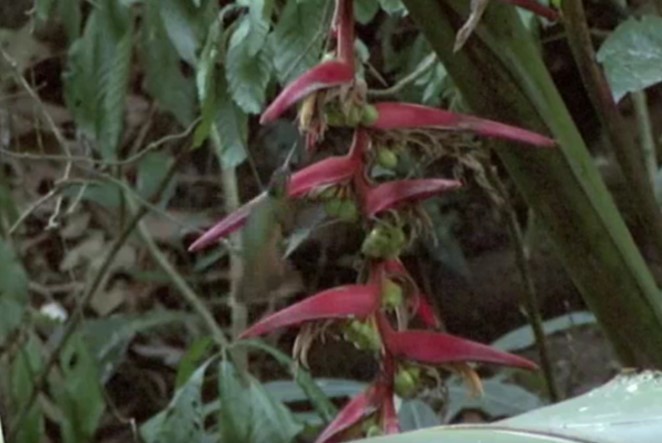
(273,422)
(415,414)
(392,6)
(365,10)
(632,55)
(232,127)
(186,25)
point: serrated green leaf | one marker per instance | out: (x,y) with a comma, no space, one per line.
(632,55)
(13,278)
(247,75)
(186,25)
(96,80)
(232,127)
(259,15)
(297,40)
(163,77)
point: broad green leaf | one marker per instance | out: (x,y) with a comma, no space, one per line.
(415,414)
(247,75)
(259,15)
(11,316)
(183,420)
(499,399)
(632,55)
(186,25)
(272,422)
(97,76)
(522,338)
(232,127)
(236,415)
(13,278)
(79,393)
(43,8)
(298,37)
(163,77)
(627,409)
(24,369)
(71,17)
(314,393)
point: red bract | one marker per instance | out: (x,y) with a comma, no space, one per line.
(535,7)
(352,301)
(343,21)
(392,194)
(394,115)
(376,397)
(435,348)
(226,226)
(322,76)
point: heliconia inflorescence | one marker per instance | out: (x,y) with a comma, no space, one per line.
(373,314)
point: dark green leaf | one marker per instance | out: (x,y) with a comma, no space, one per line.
(195,354)
(24,369)
(163,77)
(78,393)
(273,422)
(13,279)
(392,6)
(247,75)
(152,169)
(236,414)
(632,55)
(186,25)
(232,127)
(298,37)
(365,10)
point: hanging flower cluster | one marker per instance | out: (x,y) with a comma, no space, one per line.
(373,314)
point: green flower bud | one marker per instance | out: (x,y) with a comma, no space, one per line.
(384,242)
(392,294)
(354,116)
(406,382)
(348,211)
(333,206)
(369,115)
(386,158)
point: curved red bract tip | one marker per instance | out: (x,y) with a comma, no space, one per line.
(356,410)
(324,75)
(225,227)
(393,115)
(438,348)
(341,302)
(394,193)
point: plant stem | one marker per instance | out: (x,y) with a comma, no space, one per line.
(186,291)
(501,75)
(628,155)
(77,316)
(410,78)
(239,316)
(530,297)
(646,137)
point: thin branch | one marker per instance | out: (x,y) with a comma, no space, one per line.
(77,316)
(530,298)
(646,137)
(180,283)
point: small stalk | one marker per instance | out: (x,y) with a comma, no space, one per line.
(239,311)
